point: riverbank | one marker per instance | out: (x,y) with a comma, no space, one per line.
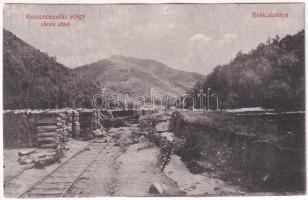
(262,153)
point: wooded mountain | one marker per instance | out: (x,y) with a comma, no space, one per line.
(270,76)
(124,75)
(32,79)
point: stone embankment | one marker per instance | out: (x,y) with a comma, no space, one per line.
(263,152)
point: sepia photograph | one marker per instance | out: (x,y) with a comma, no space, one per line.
(153,100)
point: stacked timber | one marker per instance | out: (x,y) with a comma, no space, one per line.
(47,128)
(55,127)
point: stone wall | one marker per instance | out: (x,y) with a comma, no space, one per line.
(19,130)
(43,128)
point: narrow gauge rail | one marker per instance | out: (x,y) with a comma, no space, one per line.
(59,182)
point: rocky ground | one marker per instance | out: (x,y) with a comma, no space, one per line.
(127,166)
(204,184)
(18,178)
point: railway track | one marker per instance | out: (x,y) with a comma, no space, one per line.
(59,182)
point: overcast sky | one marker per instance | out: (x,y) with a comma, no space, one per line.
(186,37)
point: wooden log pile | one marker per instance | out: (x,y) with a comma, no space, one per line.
(46,128)
(64,124)
(48,132)
(54,128)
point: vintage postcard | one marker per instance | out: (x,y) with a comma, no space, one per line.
(142,100)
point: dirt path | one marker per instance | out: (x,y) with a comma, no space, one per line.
(137,170)
(126,167)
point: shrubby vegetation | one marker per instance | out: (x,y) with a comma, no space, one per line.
(270,76)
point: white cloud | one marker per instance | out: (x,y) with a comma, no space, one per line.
(198,45)
(204,52)
(200,38)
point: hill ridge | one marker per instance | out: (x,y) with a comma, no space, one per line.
(133,71)
(33,79)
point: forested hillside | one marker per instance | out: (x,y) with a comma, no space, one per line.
(271,76)
(32,79)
